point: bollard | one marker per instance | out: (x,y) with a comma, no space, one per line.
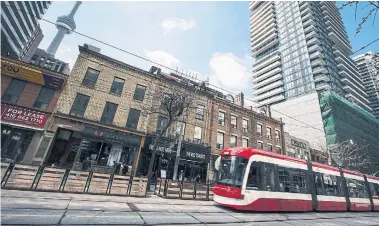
(7,174)
(207,195)
(110,181)
(37,177)
(181,189)
(194,191)
(130,184)
(64,180)
(88,182)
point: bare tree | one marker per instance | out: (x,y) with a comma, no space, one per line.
(352,156)
(170,107)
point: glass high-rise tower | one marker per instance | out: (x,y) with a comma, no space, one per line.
(300,48)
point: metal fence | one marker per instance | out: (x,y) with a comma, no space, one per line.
(27,177)
(167,188)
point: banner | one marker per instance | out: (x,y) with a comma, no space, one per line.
(30,74)
(23,116)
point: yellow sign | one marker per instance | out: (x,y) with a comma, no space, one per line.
(21,72)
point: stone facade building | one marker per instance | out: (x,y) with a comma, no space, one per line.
(99,118)
(29,95)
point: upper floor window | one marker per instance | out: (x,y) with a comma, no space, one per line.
(14,90)
(233,121)
(91,77)
(109,113)
(279,150)
(233,141)
(220,140)
(139,93)
(221,118)
(80,105)
(197,135)
(260,145)
(44,98)
(117,86)
(268,132)
(259,130)
(200,112)
(269,147)
(245,142)
(133,119)
(277,135)
(245,125)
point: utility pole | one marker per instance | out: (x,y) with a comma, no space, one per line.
(179,147)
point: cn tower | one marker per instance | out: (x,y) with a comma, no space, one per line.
(65,25)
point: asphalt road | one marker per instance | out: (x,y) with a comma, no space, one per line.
(42,208)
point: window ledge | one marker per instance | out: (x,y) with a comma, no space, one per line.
(88,86)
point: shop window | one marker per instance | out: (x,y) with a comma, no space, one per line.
(356,188)
(44,98)
(108,113)
(80,105)
(233,121)
(200,112)
(133,119)
(90,77)
(253,179)
(139,93)
(197,135)
(161,124)
(233,141)
(245,142)
(221,118)
(220,140)
(117,86)
(14,90)
(260,145)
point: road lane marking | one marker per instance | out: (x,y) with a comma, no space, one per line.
(90,216)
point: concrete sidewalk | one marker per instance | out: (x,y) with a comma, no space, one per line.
(45,208)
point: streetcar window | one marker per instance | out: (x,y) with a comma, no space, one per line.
(374,190)
(293,180)
(356,188)
(253,178)
(232,170)
(332,185)
(319,183)
(270,177)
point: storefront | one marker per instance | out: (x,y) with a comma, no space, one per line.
(21,132)
(87,147)
(193,161)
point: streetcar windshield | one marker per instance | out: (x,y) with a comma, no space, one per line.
(232,170)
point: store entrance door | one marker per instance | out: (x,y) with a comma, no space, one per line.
(13,141)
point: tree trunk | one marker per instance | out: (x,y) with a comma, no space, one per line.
(152,160)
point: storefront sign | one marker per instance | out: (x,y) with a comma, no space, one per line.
(112,136)
(30,74)
(23,116)
(298,144)
(162,149)
(197,153)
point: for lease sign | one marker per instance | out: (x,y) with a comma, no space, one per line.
(23,116)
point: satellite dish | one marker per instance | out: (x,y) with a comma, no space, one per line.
(217,163)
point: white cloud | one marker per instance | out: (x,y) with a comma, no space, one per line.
(180,24)
(67,54)
(229,71)
(164,58)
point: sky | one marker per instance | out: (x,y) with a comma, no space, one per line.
(208,39)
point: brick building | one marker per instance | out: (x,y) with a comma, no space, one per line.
(98,116)
(29,95)
(234,125)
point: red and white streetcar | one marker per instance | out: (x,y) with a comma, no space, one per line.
(250,179)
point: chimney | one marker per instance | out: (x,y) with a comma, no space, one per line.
(240,99)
